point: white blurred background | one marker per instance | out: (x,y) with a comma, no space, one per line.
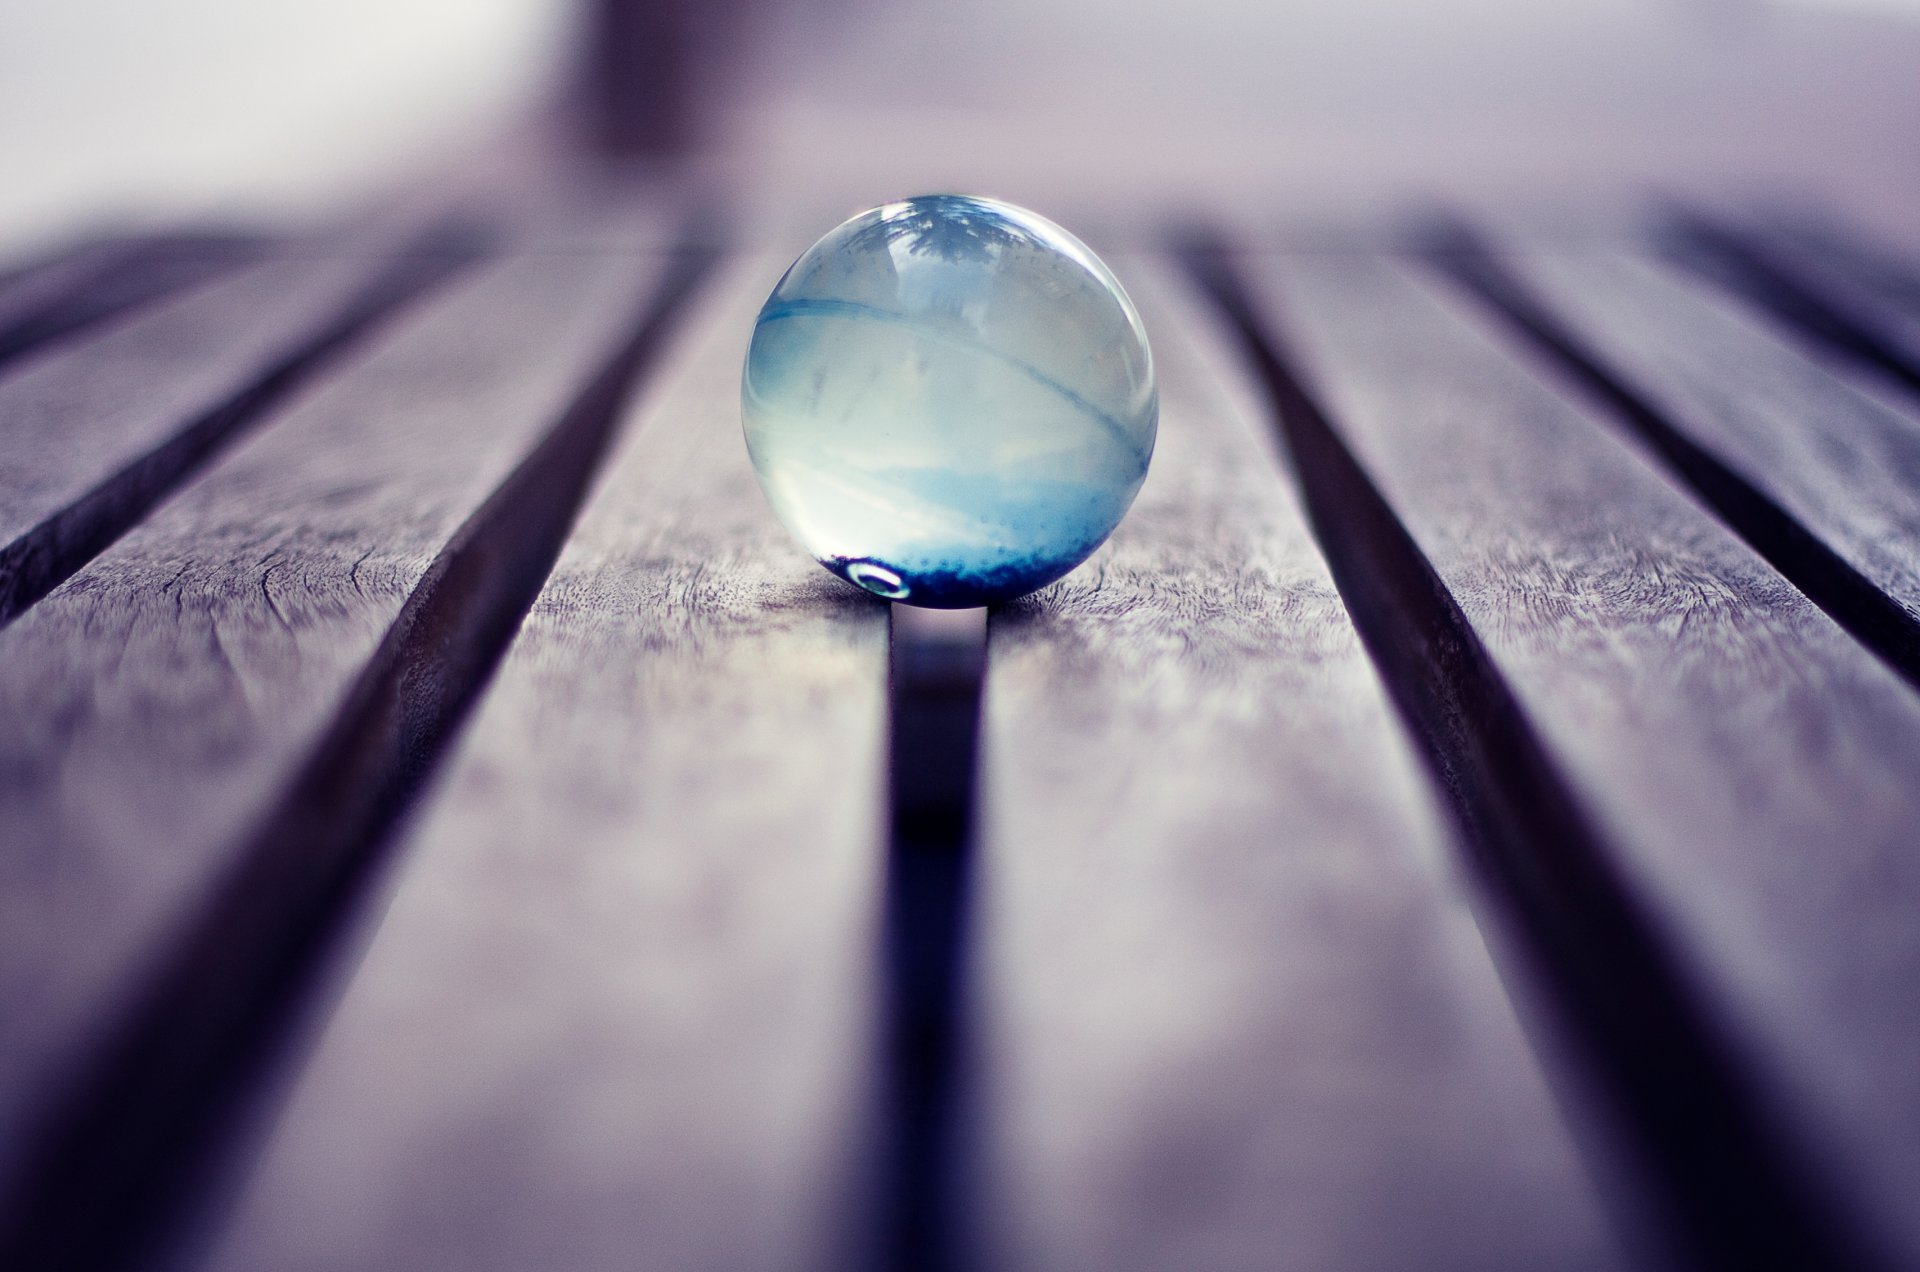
(117,112)
(140,109)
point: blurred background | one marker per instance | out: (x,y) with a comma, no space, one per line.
(116,113)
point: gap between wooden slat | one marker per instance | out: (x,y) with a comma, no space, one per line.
(148,1121)
(50,553)
(132,275)
(1871,268)
(1729,1188)
(938,666)
(1829,580)
(1750,270)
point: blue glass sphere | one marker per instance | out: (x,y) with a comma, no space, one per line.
(949,401)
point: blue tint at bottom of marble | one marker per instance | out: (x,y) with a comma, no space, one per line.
(951,586)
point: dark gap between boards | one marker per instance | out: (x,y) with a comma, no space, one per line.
(937,668)
(1745,266)
(120,1167)
(1835,249)
(1873,618)
(53,551)
(128,276)
(1721,1181)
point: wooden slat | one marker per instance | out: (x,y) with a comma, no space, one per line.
(1876,280)
(1845,465)
(75,416)
(1801,555)
(29,281)
(1235,1009)
(1752,767)
(1820,303)
(156,704)
(618,1013)
(103,281)
(90,427)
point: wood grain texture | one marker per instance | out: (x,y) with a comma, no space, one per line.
(618,1014)
(1754,768)
(1235,1012)
(79,416)
(156,704)
(1844,464)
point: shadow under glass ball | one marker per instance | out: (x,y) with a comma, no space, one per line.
(949,401)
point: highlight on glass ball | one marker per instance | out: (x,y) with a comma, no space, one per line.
(949,401)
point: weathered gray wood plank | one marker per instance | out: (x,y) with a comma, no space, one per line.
(155,704)
(103,281)
(1845,465)
(76,414)
(1879,281)
(1235,1012)
(28,283)
(618,1014)
(1811,301)
(1752,766)
(1870,280)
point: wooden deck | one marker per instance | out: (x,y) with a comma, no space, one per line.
(1468,817)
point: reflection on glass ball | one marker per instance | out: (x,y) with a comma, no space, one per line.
(949,401)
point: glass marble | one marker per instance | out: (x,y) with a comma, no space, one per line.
(949,401)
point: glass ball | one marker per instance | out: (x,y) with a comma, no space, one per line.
(949,401)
